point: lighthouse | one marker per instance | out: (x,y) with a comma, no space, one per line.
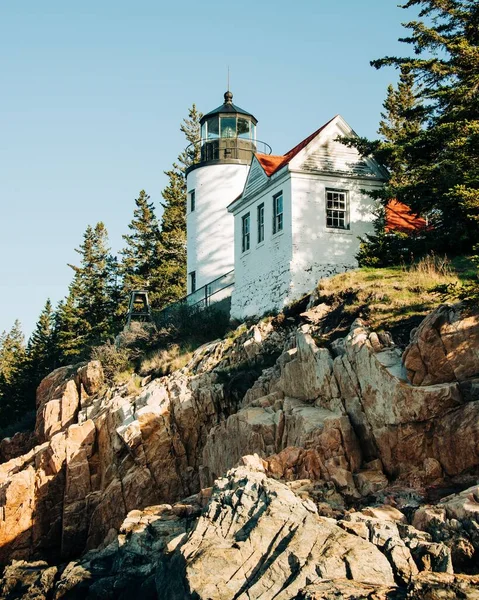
(228,141)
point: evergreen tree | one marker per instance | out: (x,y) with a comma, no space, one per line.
(141,255)
(172,271)
(13,360)
(400,121)
(42,346)
(442,158)
(190,127)
(89,316)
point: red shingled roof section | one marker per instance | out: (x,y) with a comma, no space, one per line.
(271,163)
(399,217)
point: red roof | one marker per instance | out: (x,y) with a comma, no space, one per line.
(399,217)
(271,163)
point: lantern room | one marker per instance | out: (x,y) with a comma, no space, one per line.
(228,134)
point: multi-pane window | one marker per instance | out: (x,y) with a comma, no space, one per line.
(337,209)
(278,212)
(245,233)
(193,281)
(192,195)
(260,223)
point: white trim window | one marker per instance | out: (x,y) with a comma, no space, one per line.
(277,212)
(260,223)
(337,209)
(245,232)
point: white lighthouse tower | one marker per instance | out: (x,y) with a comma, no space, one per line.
(228,140)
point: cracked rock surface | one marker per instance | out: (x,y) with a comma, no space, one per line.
(322,445)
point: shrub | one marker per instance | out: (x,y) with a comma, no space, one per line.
(114,359)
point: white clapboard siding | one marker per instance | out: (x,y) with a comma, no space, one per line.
(334,157)
(256,178)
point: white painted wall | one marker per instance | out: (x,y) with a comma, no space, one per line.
(320,251)
(262,274)
(288,265)
(210,227)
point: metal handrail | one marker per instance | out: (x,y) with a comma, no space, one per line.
(204,293)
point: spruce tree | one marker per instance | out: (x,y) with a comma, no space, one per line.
(42,346)
(13,361)
(172,271)
(442,158)
(88,316)
(141,255)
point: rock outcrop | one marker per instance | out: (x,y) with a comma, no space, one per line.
(328,431)
(252,537)
(445,347)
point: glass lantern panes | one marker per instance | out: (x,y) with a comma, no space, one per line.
(213,128)
(244,128)
(228,127)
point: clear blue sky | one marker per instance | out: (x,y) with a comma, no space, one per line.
(93,92)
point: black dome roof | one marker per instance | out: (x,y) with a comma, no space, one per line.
(228,107)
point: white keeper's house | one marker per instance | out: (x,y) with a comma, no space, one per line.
(267,227)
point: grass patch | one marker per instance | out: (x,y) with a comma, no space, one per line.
(392,298)
(165,361)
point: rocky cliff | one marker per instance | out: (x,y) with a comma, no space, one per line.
(270,466)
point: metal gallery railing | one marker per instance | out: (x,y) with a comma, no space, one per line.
(215,291)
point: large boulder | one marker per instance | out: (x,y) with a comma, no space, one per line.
(444,348)
(257,539)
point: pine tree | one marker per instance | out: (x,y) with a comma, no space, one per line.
(42,346)
(13,360)
(141,255)
(88,316)
(172,271)
(400,121)
(442,158)
(190,127)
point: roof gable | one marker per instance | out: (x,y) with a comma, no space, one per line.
(257,177)
(325,154)
(272,164)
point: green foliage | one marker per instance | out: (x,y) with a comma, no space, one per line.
(172,272)
(89,316)
(430,132)
(140,262)
(13,383)
(383,248)
(172,269)
(114,359)
(42,348)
